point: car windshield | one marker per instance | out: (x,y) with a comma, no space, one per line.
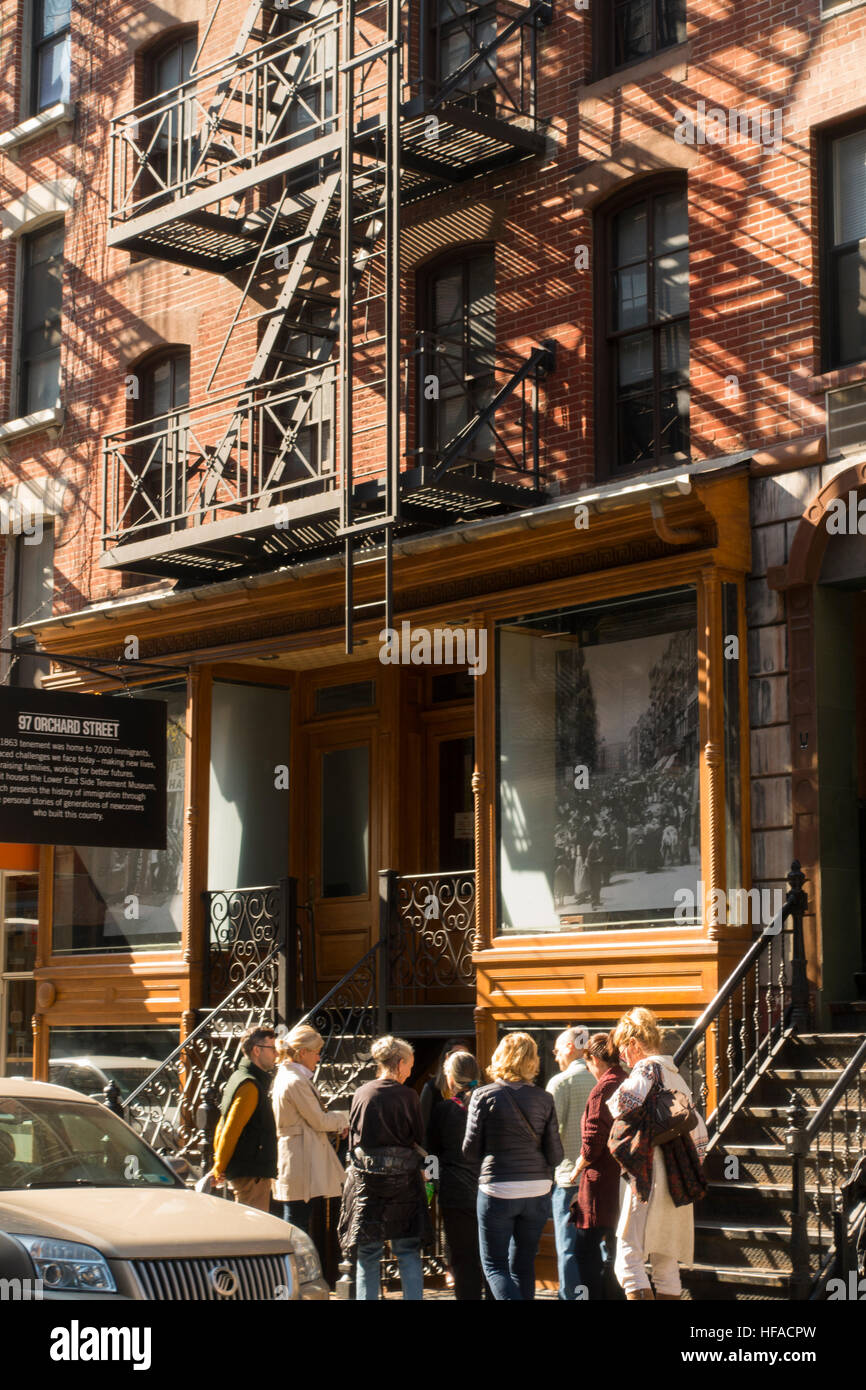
(68,1143)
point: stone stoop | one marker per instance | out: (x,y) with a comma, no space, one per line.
(743,1225)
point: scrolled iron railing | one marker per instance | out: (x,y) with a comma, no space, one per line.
(766,994)
(431,927)
(167,1108)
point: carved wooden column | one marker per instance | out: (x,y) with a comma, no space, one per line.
(483,792)
(711,708)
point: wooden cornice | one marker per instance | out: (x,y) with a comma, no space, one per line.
(710,524)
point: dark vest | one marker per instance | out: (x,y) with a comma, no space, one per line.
(255,1154)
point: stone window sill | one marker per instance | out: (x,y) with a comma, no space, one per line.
(669,59)
(40,421)
(49,119)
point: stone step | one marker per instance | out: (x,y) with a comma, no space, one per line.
(818,1050)
(772,1163)
(764,1203)
(744,1245)
(757,1124)
(723,1283)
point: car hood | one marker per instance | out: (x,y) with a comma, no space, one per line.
(137,1223)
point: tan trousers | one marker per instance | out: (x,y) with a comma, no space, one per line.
(252,1192)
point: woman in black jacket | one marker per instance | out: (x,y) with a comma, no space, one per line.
(384,1196)
(458,1176)
(513,1133)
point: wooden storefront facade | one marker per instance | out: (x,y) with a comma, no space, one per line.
(283,633)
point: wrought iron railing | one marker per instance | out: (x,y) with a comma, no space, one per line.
(243,926)
(430,932)
(349,1017)
(828,1195)
(167,1109)
(765,995)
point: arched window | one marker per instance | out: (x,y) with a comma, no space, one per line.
(457,317)
(169,131)
(161,421)
(643,297)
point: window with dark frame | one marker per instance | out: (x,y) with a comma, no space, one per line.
(628,31)
(844,248)
(51,53)
(161,414)
(32,600)
(168,133)
(644,303)
(457,311)
(41,308)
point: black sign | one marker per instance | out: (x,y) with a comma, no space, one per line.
(82,770)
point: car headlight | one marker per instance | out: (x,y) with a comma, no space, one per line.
(66,1265)
(306,1258)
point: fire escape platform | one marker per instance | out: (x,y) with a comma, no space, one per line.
(188,228)
(264,539)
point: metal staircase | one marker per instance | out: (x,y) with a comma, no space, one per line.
(287,165)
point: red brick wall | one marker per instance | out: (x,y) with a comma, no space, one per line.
(752,217)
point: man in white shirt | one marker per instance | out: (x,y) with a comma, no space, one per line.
(570,1091)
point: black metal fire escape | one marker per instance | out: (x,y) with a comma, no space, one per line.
(284,166)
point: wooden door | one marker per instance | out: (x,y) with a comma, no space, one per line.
(342,844)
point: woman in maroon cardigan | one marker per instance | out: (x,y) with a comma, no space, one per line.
(595,1209)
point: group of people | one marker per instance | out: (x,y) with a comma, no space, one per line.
(624,824)
(508,1157)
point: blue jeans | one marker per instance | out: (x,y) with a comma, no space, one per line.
(509,1229)
(407,1253)
(566,1242)
(298,1214)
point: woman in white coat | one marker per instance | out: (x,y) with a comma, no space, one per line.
(656,1230)
(307,1166)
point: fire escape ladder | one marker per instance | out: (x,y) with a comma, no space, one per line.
(322,198)
(370,305)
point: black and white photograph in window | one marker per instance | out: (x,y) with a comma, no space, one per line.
(599,786)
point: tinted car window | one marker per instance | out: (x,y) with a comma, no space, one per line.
(64,1143)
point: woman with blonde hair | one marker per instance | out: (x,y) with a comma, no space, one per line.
(513,1134)
(308,1169)
(654,1230)
(384,1197)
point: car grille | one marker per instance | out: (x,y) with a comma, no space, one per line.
(239,1279)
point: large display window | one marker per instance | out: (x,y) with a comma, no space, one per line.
(598,761)
(127,899)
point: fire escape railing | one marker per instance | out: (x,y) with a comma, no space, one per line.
(218,459)
(498,393)
(208,132)
(498,76)
(275,443)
